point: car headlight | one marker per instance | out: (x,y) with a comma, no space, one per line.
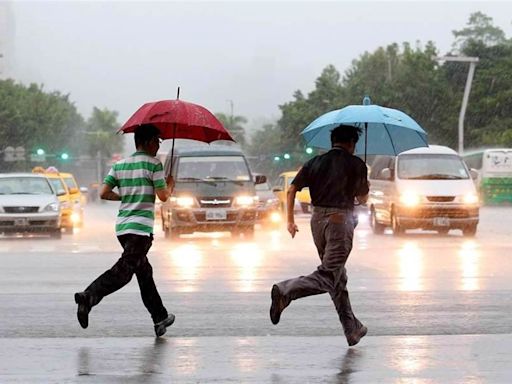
(470,199)
(184,201)
(410,199)
(272,202)
(52,207)
(246,201)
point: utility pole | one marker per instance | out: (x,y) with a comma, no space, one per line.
(472,64)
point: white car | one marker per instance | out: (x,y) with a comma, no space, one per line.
(423,188)
(28,204)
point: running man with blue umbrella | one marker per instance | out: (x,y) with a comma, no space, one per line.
(335,179)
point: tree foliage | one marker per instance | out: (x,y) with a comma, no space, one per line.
(412,80)
(32,118)
(101,134)
(235,126)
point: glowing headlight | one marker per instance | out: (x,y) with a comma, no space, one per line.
(470,198)
(52,207)
(246,200)
(275,217)
(185,201)
(409,199)
(75,218)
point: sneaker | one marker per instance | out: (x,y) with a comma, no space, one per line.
(161,326)
(279,303)
(354,337)
(83,309)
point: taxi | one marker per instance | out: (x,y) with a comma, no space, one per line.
(63,194)
(77,199)
(281,189)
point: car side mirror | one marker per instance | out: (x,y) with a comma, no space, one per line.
(61,192)
(260,179)
(386,174)
(84,189)
(277,189)
(473,173)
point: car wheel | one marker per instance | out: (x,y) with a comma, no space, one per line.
(398,230)
(469,231)
(377,227)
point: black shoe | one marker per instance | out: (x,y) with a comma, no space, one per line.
(161,326)
(279,303)
(354,337)
(83,309)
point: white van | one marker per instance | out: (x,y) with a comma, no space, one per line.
(424,188)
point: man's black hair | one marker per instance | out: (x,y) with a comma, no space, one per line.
(145,133)
(345,134)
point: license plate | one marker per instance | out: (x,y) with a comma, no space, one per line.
(22,222)
(216,214)
(441,221)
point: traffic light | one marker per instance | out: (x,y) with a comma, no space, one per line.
(286,156)
(40,151)
(64,156)
(277,158)
(309,150)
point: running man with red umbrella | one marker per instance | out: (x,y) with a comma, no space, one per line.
(138,178)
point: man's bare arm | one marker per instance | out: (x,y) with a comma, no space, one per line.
(108,194)
(290,203)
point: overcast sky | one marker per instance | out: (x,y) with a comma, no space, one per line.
(119,55)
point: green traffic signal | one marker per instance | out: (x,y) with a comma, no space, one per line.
(277,158)
(40,151)
(309,150)
(286,156)
(64,156)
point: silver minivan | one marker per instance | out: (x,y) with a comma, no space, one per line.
(424,188)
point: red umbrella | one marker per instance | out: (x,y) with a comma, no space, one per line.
(178,119)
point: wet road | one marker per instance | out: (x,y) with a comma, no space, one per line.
(403,289)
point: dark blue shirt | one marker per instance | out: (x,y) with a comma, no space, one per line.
(334,179)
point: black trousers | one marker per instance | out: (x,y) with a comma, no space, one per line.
(132,261)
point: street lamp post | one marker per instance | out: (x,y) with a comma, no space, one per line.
(472,64)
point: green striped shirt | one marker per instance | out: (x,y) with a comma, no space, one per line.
(136,177)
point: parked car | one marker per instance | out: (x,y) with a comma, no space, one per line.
(281,189)
(427,188)
(62,192)
(28,203)
(214,191)
(269,212)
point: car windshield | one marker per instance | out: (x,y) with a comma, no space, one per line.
(70,182)
(431,167)
(24,186)
(57,184)
(262,187)
(213,168)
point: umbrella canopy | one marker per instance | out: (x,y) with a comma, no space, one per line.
(386,131)
(178,119)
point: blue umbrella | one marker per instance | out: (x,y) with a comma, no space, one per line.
(387,131)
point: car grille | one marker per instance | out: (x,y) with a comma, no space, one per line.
(454,213)
(441,199)
(215,202)
(21,209)
(201,217)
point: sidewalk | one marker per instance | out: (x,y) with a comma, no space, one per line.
(385,359)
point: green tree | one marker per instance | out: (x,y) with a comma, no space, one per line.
(235,126)
(479,29)
(33,118)
(101,135)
